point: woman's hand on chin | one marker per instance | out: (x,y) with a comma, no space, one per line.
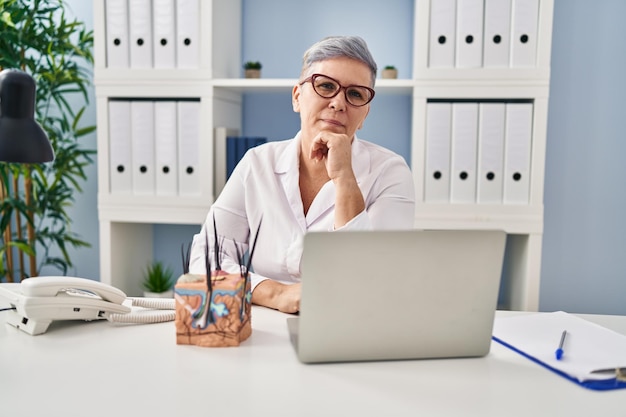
(335,150)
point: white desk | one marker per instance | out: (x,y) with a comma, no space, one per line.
(104,369)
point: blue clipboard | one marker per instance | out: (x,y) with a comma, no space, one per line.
(592,384)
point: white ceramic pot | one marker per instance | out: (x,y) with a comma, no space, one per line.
(389,73)
(253,73)
(166,294)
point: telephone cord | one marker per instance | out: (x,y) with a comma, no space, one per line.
(154,303)
(153,310)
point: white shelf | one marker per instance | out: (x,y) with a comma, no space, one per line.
(508,75)
(163,210)
(150,89)
(513,219)
(282,85)
(148,76)
(125,221)
(482,89)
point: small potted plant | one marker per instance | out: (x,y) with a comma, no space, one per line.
(158,281)
(389,72)
(252,69)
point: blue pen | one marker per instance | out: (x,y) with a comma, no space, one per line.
(559,352)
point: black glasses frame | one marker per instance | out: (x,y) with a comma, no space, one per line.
(312,78)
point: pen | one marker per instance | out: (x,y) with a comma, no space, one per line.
(559,352)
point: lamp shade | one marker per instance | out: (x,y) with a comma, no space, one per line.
(21,137)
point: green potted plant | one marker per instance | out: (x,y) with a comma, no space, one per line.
(252,69)
(158,281)
(389,72)
(41,38)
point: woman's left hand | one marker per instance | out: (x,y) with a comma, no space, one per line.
(335,150)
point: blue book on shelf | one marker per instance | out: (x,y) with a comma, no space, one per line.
(236,148)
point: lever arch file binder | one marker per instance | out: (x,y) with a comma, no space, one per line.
(469,34)
(524,21)
(442,33)
(593,356)
(438,130)
(490,180)
(164,33)
(188,148)
(142,140)
(117,49)
(518,140)
(463,153)
(497,33)
(166,153)
(119,147)
(187,33)
(140,23)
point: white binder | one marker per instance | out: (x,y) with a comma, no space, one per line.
(119,147)
(188,147)
(142,141)
(517,151)
(497,33)
(117,49)
(469,33)
(219,158)
(437,176)
(166,148)
(524,21)
(463,153)
(140,23)
(490,153)
(442,33)
(164,33)
(187,33)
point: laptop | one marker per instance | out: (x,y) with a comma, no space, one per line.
(394,295)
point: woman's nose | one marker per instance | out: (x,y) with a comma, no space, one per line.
(338,103)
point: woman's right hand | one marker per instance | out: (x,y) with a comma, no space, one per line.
(279,296)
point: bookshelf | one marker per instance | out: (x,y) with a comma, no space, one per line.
(126,221)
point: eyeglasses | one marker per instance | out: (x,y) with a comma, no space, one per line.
(324,86)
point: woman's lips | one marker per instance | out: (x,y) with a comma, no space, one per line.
(333,122)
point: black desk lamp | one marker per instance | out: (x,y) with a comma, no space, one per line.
(21,138)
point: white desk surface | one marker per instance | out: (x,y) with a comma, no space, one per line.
(105,369)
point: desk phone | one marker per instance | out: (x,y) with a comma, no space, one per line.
(36,302)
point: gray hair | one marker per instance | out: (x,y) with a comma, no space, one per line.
(353,47)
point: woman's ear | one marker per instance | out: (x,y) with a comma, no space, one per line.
(295,98)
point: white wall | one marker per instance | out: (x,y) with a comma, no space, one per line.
(585,195)
(583,268)
(84,213)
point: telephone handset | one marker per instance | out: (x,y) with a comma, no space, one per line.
(36,302)
(51,286)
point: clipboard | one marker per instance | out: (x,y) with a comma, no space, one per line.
(594,357)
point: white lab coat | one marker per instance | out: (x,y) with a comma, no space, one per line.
(263,189)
